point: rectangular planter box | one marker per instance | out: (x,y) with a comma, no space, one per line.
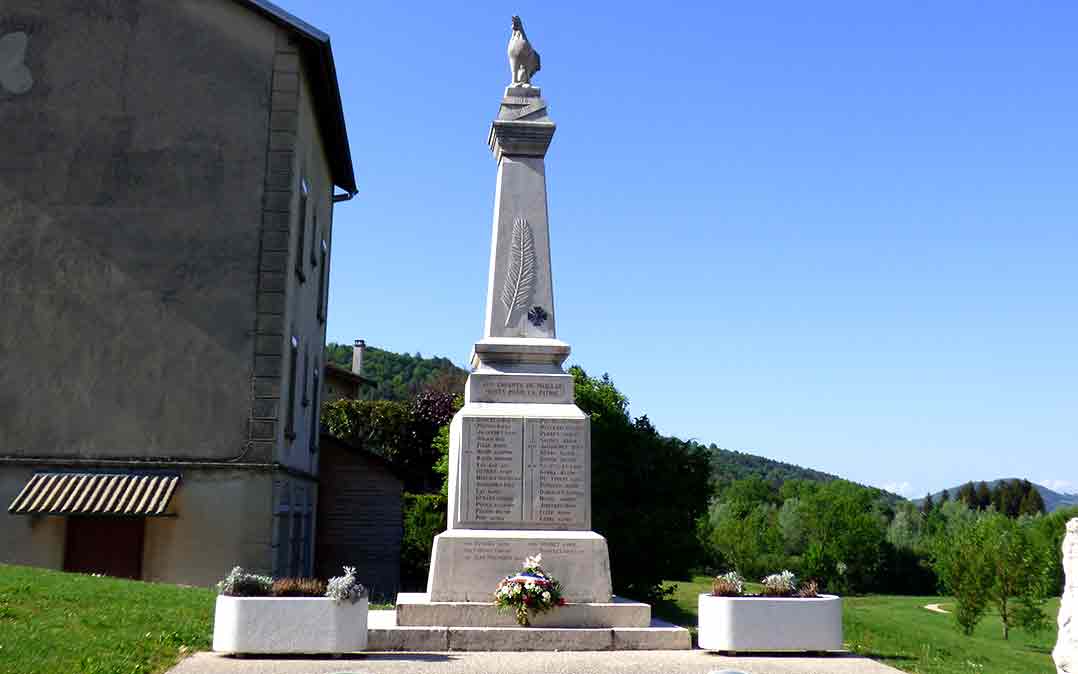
(768,624)
(289,625)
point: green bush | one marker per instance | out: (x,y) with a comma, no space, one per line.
(424,518)
(647,492)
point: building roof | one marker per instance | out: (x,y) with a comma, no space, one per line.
(327,94)
(334,370)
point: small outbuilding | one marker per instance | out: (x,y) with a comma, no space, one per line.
(359,517)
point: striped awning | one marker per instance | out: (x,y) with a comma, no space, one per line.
(120,494)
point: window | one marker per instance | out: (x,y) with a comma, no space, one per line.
(316,410)
(323,285)
(290,411)
(314,239)
(304,193)
(306,400)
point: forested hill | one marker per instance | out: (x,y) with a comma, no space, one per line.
(729,465)
(398,376)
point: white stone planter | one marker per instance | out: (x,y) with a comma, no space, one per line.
(770,624)
(289,625)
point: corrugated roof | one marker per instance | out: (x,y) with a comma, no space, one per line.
(326,89)
(121,494)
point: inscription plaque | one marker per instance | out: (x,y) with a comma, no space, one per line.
(557,475)
(491,463)
(510,388)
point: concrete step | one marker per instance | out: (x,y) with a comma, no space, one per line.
(414,609)
(384,634)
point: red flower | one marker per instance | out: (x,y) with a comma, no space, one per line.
(561,601)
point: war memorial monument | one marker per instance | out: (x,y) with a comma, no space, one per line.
(520,448)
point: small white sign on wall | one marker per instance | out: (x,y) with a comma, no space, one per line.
(15,77)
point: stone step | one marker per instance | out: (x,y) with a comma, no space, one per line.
(385,635)
(415,609)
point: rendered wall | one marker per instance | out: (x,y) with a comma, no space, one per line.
(130,216)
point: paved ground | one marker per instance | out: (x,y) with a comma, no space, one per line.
(623,662)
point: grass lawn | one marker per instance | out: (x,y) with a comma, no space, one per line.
(900,632)
(53,623)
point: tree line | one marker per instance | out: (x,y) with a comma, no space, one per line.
(854,539)
(1012,498)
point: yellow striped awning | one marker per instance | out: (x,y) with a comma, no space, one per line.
(122,494)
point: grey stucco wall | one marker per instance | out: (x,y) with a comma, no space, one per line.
(130,215)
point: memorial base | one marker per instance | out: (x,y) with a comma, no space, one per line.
(385,634)
(467,564)
(416,609)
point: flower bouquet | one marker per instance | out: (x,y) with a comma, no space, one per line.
(530,590)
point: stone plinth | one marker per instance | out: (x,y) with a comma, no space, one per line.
(384,634)
(468,563)
(518,466)
(416,609)
(1066,650)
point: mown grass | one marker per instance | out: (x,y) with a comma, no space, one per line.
(901,633)
(53,623)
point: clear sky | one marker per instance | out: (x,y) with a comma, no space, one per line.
(842,235)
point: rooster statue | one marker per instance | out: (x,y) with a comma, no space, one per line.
(523,59)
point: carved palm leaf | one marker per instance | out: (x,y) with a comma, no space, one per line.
(520,278)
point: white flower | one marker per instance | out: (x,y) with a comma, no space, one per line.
(546,596)
(532,562)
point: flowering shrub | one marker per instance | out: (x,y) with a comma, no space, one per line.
(299,587)
(780,585)
(729,584)
(809,590)
(530,590)
(346,587)
(239,583)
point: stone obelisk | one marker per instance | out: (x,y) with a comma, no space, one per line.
(520,448)
(520,460)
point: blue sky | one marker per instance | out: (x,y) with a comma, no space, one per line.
(837,234)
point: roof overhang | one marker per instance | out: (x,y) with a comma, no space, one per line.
(322,72)
(120,494)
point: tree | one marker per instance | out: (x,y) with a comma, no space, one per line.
(994,560)
(983,496)
(927,505)
(945,496)
(1032,503)
(967,494)
(648,491)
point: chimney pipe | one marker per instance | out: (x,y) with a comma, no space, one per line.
(357,356)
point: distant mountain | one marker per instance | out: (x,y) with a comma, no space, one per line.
(398,376)
(1053,500)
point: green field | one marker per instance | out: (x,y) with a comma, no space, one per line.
(53,623)
(901,633)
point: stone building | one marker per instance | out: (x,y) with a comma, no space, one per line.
(167,184)
(339,383)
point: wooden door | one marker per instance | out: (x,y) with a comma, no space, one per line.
(108,545)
